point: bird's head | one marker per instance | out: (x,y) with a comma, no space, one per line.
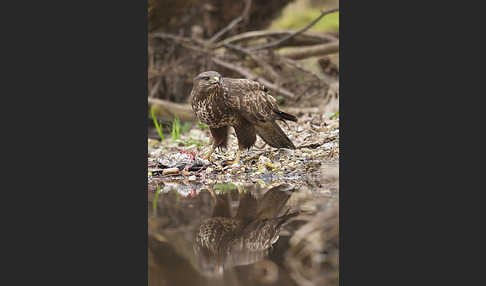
(209,80)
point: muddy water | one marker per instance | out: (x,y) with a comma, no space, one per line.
(242,234)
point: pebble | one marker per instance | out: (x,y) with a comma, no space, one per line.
(262,163)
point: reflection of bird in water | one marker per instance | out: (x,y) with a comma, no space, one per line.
(225,241)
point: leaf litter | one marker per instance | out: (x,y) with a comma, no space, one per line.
(316,137)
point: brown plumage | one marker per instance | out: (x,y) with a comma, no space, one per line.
(243,104)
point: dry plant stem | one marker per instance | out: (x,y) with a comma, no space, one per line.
(250,75)
(279,42)
(233,23)
(312,51)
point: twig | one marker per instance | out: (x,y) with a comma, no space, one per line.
(170,171)
(250,75)
(312,51)
(317,144)
(267,68)
(154,89)
(233,23)
(298,66)
(179,39)
(162,35)
(278,42)
(154,73)
(237,48)
(225,29)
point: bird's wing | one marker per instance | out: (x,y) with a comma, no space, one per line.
(250,99)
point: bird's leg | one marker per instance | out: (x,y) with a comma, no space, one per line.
(208,156)
(235,161)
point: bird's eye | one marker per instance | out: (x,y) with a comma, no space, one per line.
(206,78)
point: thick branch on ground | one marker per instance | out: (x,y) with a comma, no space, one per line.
(167,110)
(312,51)
(279,42)
(250,75)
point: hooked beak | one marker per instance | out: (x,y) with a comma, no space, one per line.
(215,79)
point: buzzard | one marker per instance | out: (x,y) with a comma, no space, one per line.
(242,104)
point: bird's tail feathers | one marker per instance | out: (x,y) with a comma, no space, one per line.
(286,116)
(273,135)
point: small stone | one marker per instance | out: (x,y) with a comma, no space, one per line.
(262,163)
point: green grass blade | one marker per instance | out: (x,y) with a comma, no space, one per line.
(202,125)
(176,129)
(186,127)
(156,123)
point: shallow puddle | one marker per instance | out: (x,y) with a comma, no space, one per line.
(242,234)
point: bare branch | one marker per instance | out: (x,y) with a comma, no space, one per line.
(233,23)
(154,89)
(267,68)
(303,38)
(178,39)
(226,29)
(312,51)
(162,35)
(278,42)
(250,75)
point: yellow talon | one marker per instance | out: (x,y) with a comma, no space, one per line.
(235,161)
(208,156)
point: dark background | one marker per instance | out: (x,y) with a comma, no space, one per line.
(75,160)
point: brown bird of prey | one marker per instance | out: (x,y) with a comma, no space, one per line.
(242,104)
